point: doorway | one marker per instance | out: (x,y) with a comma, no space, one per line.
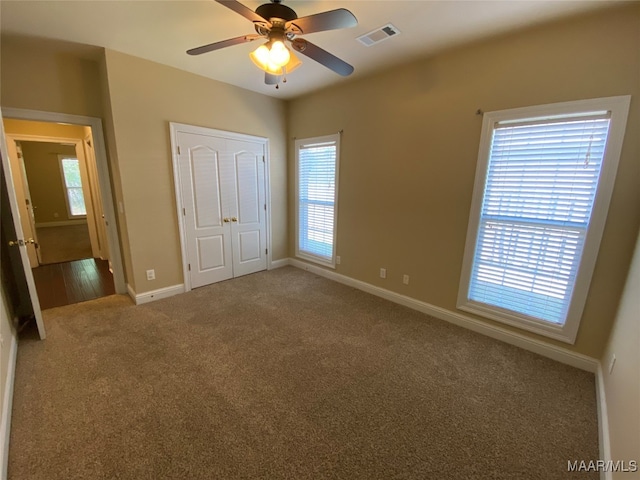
(65,214)
(58,194)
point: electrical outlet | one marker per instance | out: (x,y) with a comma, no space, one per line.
(338,260)
(405,279)
(151,274)
(383,273)
(612,363)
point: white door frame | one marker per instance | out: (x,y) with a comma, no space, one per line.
(176,128)
(13,203)
(104,178)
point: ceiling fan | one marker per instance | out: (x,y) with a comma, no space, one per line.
(279,24)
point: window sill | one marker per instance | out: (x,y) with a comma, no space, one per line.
(563,333)
(317,260)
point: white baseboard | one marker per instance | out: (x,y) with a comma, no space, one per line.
(283,262)
(553,352)
(63,223)
(7,402)
(154,295)
(603,422)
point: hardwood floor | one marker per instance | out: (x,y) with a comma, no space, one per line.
(72,282)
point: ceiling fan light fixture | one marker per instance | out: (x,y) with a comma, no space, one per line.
(276,60)
(279,54)
(260,56)
(294,62)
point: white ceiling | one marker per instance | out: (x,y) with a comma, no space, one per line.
(163,30)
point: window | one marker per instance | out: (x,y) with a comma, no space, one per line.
(70,168)
(316,198)
(543,185)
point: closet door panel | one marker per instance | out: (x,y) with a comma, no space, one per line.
(248,231)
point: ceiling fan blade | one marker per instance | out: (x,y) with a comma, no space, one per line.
(327,59)
(246,12)
(331,20)
(271,79)
(224,43)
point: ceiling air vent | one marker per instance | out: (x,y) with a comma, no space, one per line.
(379,35)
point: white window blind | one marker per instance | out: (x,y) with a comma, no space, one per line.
(540,187)
(317,161)
(73,186)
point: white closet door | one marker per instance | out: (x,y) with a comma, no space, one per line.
(248,227)
(207,233)
(222,187)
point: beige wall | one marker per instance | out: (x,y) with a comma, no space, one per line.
(622,386)
(49,76)
(144,97)
(46,185)
(8,335)
(410,145)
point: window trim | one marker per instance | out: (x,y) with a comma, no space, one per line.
(70,216)
(619,108)
(334,138)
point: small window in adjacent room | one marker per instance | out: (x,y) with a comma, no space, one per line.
(70,168)
(543,183)
(316,198)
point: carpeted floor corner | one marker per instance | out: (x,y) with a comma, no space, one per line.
(286,375)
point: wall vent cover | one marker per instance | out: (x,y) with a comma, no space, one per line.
(378,35)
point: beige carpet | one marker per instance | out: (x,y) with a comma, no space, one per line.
(286,375)
(64,244)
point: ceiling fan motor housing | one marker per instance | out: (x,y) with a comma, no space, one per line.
(269,11)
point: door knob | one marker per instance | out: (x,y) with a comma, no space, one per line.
(14,243)
(225,220)
(234,219)
(31,241)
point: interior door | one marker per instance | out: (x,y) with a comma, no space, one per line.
(20,189)
(248,225)
(207,229)
(32,246)
(12,216)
